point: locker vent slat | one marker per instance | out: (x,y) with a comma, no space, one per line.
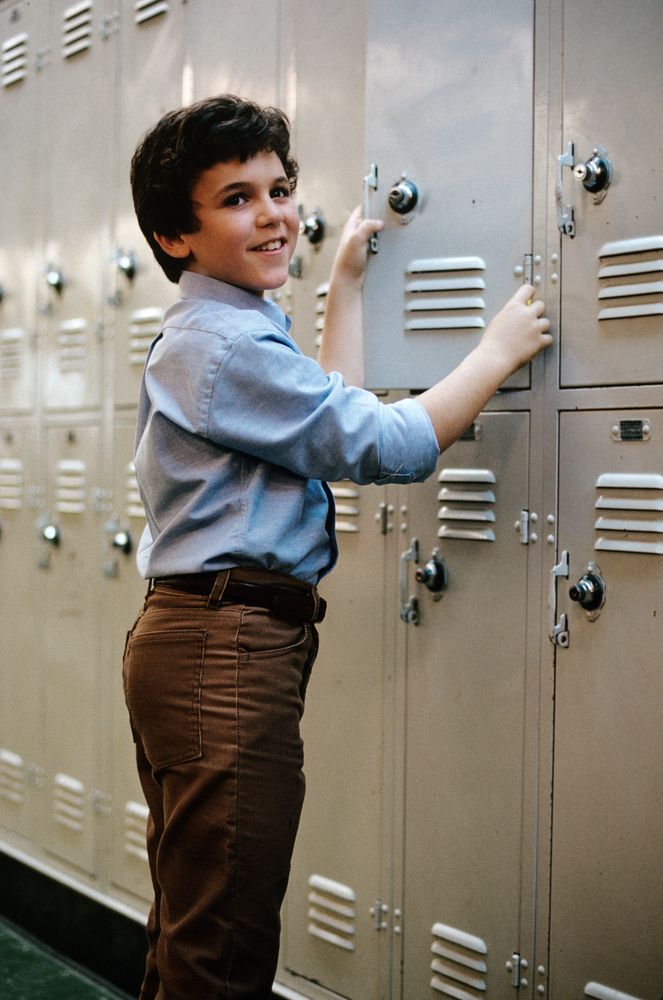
(629,259)
(440,296)
(320,304)
(11,484)
(77,29)
(73,345)
(12,777)
(135,824)
(69,802)
(12,351)
(633,514)
(599,992)
(134,503)
(145,10)
(467,504)
(459,963)
(347,503)
(14,59)
(70,487)
(144,327)
(331,912)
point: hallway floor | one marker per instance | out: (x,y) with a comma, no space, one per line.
(30,971)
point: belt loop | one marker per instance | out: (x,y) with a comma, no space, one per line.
(218,589)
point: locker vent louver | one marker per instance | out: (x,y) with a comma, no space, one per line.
(346,500)
(72,345)
(145,10)
(135,823)
(459,967)
(634,518)
(467,503)
(12,777)
(14,59)
(12,346)
(446,297)
(77,29)
(145,326)
(599,992)
(11,484)
(69,802)
(320,305)
(70,487)
(331,912)
(634,277)
(134,504)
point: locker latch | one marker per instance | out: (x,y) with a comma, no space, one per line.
(516,965)
(559,633)
(566,220)
(409,602)
(370,184)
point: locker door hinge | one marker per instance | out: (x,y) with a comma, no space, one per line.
(523,524)
(559,633)
(516,965)
(382,517)
(379,911)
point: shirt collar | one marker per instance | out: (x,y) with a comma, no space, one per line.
(193,285)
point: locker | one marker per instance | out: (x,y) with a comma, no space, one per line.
(466,537)
(79,59)
(607,885)
(71,552)
(612,308)
(449,154)
(21,642)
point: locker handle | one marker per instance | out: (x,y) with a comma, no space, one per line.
(409,602)
(370,184)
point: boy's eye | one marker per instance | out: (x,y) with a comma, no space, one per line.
(234,199)
(282,191)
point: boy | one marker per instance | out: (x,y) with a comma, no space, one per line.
(238,433)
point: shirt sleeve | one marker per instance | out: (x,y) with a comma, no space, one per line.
(269,400)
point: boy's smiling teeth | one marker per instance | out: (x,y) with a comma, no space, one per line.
(271,245)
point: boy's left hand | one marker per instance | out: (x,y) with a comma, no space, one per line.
(352,252)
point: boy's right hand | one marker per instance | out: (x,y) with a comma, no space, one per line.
(519,330)
(351,255)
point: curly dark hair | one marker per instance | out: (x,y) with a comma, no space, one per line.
(172,155)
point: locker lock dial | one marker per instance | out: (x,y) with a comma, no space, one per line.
(51,534)
(589,592)
(403,197)
(122,540)
(596,173)
(313,228)
(434,575)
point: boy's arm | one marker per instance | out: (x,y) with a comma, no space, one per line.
(513,337)
(342,347)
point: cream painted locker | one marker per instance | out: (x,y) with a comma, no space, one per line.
(609,194)
(449,133)
(149,82)
(75,155)
(71,557)
(464,598)
(607,879)
(21,640)
(333,933)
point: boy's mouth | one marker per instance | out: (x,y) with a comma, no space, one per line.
(271,245)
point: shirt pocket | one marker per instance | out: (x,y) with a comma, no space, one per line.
(163,678)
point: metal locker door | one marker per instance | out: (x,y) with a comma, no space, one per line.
(21,747)
(77,135)
(449,140)
(150,82)
(339,869)
(607,880)
(71,558)
(323,55)
(21,37)
(612,301)
(124,593)
(464,749)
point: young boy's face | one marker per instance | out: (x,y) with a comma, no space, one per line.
(248,224)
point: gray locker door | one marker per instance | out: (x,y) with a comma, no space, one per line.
(77,135)
(123,597)
(449,105)
(21,748)
(338,871)
(612,303)
(465,719)
(607,879)
(72,547)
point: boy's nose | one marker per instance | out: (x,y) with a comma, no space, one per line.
(270,210)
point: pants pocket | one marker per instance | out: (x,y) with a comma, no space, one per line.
(163,676)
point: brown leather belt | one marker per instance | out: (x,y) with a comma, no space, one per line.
(292,603)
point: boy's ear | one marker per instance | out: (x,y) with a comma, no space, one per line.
(174,246)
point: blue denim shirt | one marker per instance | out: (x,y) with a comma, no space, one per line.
(238,432)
